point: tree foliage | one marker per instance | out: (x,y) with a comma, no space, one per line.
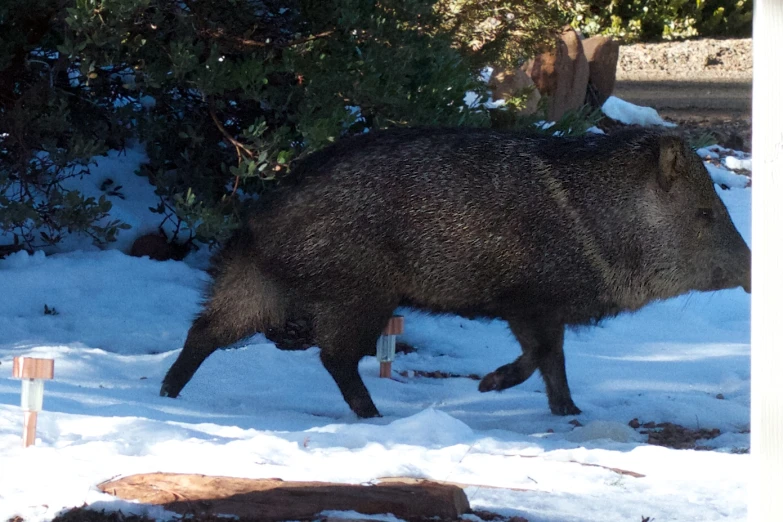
(49,131)
(650,20)
(226,94)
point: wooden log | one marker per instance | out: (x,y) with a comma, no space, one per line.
(275,499)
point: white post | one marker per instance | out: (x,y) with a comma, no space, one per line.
(386,344)
(766,410)
(33,373)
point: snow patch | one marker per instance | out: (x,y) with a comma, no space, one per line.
(735,163)
(22,259)
(604,430)
(631,114)
(726,177)
(354,515)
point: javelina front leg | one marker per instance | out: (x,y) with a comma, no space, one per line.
(206,335)
(542,345)
(511,374)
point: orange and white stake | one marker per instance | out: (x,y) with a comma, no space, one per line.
(33,373)
(386,344)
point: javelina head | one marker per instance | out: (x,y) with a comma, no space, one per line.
(697,246)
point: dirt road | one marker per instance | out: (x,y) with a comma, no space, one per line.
(730,98)
(703,85)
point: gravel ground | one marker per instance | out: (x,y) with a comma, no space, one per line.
(700,60)
(703,85)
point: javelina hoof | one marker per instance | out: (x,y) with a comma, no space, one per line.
(169,390)
(364,411)
(510,374)
(564,407)
(497,381)
(505,377)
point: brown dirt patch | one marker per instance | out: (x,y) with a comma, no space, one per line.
(673,435)
(437,374)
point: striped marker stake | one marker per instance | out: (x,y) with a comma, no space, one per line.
(33,373)
(386,344)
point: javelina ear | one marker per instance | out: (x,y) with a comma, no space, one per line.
(671,161)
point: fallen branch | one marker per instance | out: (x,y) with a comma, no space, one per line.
(616,470)
(237,145)
(257,44)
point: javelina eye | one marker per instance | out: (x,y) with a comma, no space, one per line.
(706,214)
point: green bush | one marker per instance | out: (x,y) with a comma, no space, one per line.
(227,94)
(652,20)
(49,130)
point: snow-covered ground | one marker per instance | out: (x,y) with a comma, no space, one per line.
(257,411)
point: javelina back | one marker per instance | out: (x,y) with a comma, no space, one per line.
(542,232)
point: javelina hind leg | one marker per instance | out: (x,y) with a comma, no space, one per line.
(206,335)
(542,345)
(345,372)
(345,338)
(242,301)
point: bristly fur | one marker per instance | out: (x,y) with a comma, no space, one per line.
(542,232)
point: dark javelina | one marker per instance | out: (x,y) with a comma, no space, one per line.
(542,232)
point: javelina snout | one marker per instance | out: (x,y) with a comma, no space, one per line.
(542,232)
(737,274)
